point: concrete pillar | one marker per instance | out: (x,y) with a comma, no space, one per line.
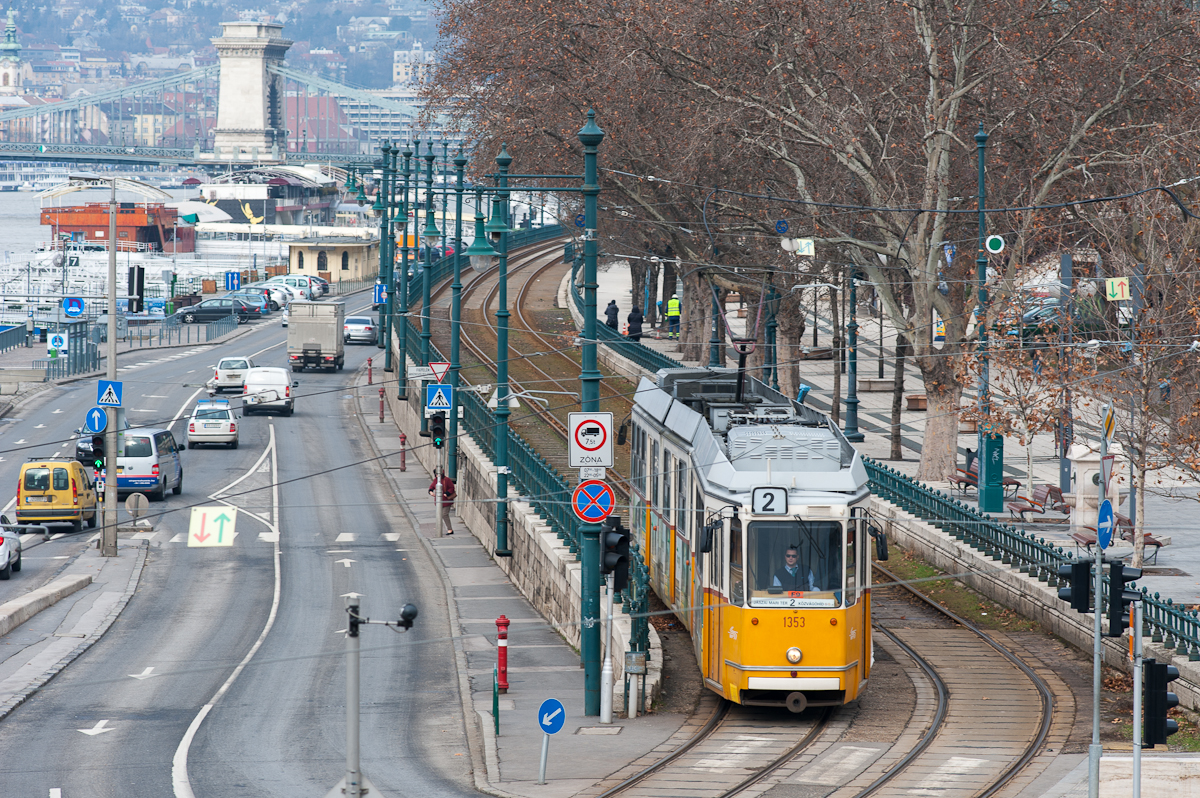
(250,110)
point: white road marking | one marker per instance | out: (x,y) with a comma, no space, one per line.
(346,561)
(55,412)
(179,538)
(340,551)
(180,782)
(838,766)
(735,755)
(144,536)
(345,537)
(391,537)
(18,443)
(268,537)
(183,407)
(267,349)
(8,506)
(146,674)
(55,792)
(154,396)
(28,537)
(954,769)
(99,728)
(40,426)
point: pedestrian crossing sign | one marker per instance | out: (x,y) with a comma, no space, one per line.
(437,397)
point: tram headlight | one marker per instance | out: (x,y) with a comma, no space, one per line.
(794,655)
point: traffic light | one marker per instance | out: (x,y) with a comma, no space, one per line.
(98,452)
(1158,700)
(1119,597)
(1078,576)
(437,429)
(614,555)
(137,288)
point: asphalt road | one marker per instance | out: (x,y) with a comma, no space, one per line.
(247,691)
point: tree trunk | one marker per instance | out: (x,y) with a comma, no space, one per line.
(1139,518)
(939,447)
(902,351)
(835,410)
(1029,464)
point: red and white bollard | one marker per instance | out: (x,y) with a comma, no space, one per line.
(368,371)
(502,652)
(403,447)
(380,404)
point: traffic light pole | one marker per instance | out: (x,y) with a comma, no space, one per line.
(606,673)
(108,536)
(439,471)
(1136,631)
(1096,750)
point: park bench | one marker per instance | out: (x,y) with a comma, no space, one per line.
(1045,497)
(1087,539)
(969,478)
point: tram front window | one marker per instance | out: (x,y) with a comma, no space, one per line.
(794,563)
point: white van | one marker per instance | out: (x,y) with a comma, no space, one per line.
(267,388)
(150,463)
(306,284)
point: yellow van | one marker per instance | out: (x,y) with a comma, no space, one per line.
(51,490)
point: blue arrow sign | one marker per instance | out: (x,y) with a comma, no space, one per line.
(108,393)
(437,397)
(96,420)
(781,226)
(380,296)
(72,306)
(233,281)
(551,716)
(1104,524)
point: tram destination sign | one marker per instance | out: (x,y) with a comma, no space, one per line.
(590,442)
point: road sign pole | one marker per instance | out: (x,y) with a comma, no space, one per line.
(606,673)
(1096,750)
(545,754)
(437,492)
(353,776)
(1136,633)
(108,537)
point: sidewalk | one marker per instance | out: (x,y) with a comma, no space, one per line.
(540,664)
(73,610)
(1171,501)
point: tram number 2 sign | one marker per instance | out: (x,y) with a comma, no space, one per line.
(769,501)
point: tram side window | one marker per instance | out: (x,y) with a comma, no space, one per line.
(654,475)
(794,563)
(668,503)
(737,592)
(851,565)
(681,499)
(635,462)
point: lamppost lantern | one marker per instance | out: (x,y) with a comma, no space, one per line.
(379,207)
(497,226)
(480,252)
(362,196)
(349,186)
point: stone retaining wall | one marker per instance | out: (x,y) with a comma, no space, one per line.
(541,566)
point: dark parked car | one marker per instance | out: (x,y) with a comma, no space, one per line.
(219,308)
(254,300)
(256,291)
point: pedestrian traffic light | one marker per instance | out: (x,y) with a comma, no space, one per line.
(614,557)
(98,452)
(1158,701)
(437,429)
(1078,576)
(1119,597)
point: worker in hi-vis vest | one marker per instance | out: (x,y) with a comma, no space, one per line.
(673,306)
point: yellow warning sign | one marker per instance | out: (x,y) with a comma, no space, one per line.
(212,526)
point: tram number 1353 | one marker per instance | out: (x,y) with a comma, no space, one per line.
(793,622)
(769,501)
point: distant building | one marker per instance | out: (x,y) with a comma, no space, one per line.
(334,258)
(289,195)
(10,59)
(413,65)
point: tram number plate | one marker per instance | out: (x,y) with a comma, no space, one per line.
(769,501)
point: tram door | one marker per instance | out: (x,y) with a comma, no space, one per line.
(715,579)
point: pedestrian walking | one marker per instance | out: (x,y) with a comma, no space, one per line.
(635,323)
(448,494)
(673,308)
(611,313)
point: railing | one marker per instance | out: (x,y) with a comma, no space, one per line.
(344,287)
(636,601)
(547,491)
(650,359)
(1175,627)
(12,338)
(83,361)
(215,329)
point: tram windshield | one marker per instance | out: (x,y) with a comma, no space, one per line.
(794,563)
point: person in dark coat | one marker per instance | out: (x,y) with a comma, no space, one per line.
(793,575)
(635,323)
(610,314)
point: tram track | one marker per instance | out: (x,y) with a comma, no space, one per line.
(538,361)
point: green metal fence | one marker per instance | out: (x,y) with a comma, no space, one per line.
(650,359)
(12,338)
(215,329)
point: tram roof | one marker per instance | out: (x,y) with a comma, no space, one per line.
(735,443)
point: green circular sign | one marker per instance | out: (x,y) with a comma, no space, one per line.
(994,244)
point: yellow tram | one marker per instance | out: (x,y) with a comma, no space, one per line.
(749,510)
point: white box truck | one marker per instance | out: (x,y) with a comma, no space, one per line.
(316,335)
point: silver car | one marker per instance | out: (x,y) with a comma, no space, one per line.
(212,422)
(359,329)
(229,373)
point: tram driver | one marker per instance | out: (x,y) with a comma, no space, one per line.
(794,576)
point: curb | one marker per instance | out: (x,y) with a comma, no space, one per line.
(19,610)
(484,758)
(139,549)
